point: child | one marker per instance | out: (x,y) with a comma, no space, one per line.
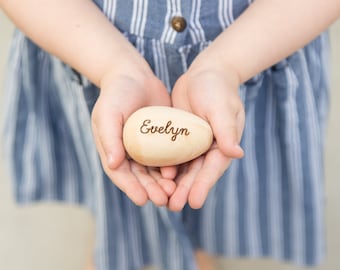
(236,64)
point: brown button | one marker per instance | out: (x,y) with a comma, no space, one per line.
(178,23)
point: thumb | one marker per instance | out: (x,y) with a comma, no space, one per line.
(227,128)
(107,131)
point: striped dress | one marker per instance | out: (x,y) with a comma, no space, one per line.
(268,204)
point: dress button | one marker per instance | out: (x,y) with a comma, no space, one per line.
(178,23)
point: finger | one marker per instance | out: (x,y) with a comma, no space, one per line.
(215,164)
(155,193)
(160,95)
(99,147)
(126,181)
(168,185)
(122,177)
(227,128)
(184,183)
(176,95)
(108,129)
(169,172)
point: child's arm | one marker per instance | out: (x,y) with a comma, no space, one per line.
(79,34)
(74,30)
(268,31)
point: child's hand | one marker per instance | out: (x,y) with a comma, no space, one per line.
(123,91)
(212,94)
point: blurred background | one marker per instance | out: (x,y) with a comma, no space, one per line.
(61,237)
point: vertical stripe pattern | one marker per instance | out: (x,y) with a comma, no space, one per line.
(173,9)
(109,8)
(225,13)
(273,169)
(139,15)
(196,29)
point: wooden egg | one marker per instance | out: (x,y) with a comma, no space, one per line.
(163,136)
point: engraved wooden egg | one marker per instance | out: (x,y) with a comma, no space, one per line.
(164,136)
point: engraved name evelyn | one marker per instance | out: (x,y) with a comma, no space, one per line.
(147,127)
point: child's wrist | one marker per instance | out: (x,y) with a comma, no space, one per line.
(133,69)
(213,64)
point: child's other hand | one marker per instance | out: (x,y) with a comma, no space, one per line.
(212,94)
(123,91)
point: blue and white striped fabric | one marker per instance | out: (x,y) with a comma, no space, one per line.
(268,204)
